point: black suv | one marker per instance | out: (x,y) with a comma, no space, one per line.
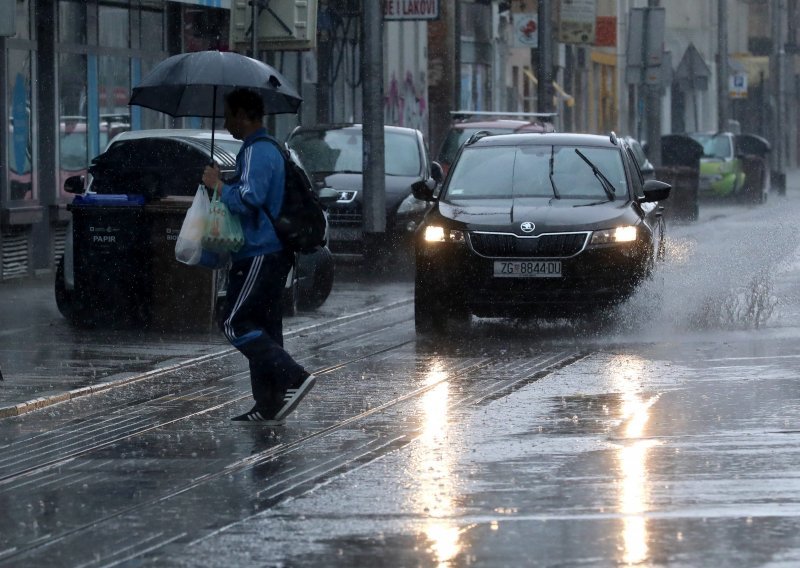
(333,153)
(530,224)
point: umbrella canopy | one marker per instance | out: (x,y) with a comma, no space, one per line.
(195,84)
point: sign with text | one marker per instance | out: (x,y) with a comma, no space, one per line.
(410,9)
(737,85)
(576,21)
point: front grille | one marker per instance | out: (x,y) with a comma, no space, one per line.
(345,216)
(504,245)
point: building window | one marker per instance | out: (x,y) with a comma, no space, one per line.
(73,141)
(72,22)
(114,26)
(24,20)
(19,154)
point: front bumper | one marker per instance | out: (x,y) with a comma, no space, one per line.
(599,275)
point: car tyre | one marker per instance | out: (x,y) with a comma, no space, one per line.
(291,295)
(429,315)
(313,295)
(66,301)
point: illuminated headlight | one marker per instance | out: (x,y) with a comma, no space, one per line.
(619,235)
(411,205)
(434,234)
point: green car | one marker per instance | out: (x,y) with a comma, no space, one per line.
(734,165)
(721,171)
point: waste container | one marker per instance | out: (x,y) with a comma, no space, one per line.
(183,298)
(752,150)
(680,167)
(110,255)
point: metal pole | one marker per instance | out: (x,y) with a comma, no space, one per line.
(544,90)
(254,28)
(723,104)
(374,202)
(653,106)
(777,62)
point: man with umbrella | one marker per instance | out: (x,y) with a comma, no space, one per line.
(252,317)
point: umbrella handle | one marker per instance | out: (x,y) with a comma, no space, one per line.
(213,122)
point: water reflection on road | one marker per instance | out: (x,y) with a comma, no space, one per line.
(632,482)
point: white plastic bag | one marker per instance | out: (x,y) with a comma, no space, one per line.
(189,246)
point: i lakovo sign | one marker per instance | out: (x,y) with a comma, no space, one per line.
(410,9)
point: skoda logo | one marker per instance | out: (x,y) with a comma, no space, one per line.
(527,227)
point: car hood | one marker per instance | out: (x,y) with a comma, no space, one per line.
(397,187)
(547,214)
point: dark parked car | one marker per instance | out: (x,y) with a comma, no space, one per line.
(530,224)
(332,155)
(466,125)
(162,164)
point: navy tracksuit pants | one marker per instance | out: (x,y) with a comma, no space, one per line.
(253,323)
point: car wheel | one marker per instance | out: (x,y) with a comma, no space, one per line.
(66,302)
(291,294)
(316,288)
(429,317)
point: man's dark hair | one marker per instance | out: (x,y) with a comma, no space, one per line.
(248,101)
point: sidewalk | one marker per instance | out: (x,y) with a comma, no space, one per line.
(44,360)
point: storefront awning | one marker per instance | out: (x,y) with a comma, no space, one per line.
(569,100)
(226,4)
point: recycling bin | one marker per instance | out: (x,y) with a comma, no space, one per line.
(111,265)
(182,298)
(680,167)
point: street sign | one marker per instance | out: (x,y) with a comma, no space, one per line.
(410,9)
(737,85)
(645,52)
(576,21)
(526,30)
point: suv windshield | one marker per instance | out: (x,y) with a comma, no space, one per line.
(523,171)
(340,150)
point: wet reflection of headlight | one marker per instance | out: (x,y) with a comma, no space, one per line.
(624,234)
(436,234)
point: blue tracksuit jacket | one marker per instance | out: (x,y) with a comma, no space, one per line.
(259,181)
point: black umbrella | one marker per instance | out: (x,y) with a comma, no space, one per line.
(195,84)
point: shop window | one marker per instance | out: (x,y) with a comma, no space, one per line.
(152,30)
(19,154)
(115,88)
(73,150)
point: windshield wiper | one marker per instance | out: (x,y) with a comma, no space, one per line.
(607,187)
(552,181)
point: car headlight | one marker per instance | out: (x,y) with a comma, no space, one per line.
(624,234)
(411,205)
(436,234)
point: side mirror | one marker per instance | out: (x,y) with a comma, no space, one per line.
(423,189)
(655,190)
(327,196)
(74,184)
(437,172)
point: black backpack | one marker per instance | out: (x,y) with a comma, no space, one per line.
(301,223)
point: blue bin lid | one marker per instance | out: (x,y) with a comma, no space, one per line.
(117,199)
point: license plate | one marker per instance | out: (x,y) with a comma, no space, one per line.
(527,269)
(344,234)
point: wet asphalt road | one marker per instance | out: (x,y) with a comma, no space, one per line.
(665,435)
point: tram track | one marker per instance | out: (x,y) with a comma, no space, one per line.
(55,459)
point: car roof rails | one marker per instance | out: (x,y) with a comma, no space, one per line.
(477,136)
(465,114)
(613,138)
